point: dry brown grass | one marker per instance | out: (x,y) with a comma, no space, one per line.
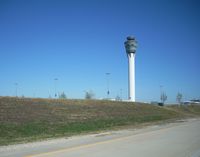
(24,119)
(22,110)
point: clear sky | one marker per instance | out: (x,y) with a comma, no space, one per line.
(78,41)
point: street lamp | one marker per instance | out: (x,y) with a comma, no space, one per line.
(121,93)
(55,85)
(16,86)
(108,90)
(161,89)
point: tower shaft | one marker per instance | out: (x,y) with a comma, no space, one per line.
(131,76)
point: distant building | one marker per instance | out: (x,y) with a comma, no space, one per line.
(195,101)
(189,102)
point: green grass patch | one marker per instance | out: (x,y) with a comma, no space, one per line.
(23,120)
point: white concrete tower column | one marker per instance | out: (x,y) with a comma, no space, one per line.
(130,46)
(131,76)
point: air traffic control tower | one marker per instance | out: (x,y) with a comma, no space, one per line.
(131,45)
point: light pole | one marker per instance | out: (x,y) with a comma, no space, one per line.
(16,86)
(131,45)
(55,85)
(161,90)
(163,96)
(108,90)
(121,94)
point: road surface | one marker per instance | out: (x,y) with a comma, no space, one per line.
(180,139)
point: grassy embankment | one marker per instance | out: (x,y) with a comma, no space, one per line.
(23,120)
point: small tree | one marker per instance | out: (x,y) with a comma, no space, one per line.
(62,96)
(163,97)
(179,97)
(117,98)
(89,95)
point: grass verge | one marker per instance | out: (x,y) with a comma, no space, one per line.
(24,120)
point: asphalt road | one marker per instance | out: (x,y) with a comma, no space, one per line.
(181,139)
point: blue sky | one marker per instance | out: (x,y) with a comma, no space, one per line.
(79,41)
